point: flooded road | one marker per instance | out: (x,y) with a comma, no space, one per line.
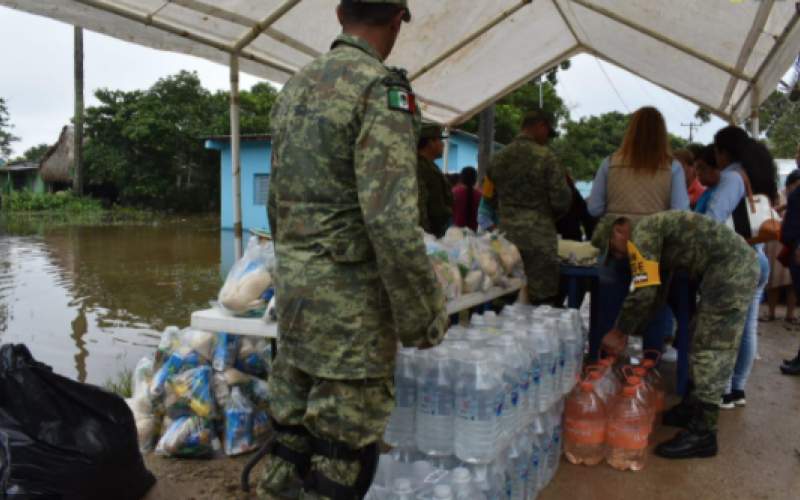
(90,296)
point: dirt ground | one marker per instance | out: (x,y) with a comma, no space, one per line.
(756,460)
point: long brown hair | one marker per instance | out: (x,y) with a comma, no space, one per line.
(646,144)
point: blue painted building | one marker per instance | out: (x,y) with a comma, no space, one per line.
(257,166)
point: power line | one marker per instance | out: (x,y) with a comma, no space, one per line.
(612,84)
(692,126)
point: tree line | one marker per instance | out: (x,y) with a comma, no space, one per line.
(146,145)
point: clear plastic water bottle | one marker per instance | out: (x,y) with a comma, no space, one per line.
(519,452)
(515,374)
(533,472)
(529,391)
(493,323)
(463,487)
(443,492)
(495,359)
(570,337)
(544,349)
(402,490)
(435,404)
(401,428)
(406,454)
(489,479)
(479,403)
(476,337)
(446,462)
(543,437)
(554,457)
(556,367)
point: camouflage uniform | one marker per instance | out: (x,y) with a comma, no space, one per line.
(675,240)
(527,186)
(435,194)
(352,276)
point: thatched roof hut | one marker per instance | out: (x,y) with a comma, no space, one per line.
(56,166)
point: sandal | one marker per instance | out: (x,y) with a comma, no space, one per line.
(766,318)
(793,320)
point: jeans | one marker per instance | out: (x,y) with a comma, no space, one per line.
(614,284)
(794,269)
(749,345)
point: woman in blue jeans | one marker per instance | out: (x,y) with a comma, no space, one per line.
(640,179)
(738,154)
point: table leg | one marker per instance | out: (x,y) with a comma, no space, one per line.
(572,292)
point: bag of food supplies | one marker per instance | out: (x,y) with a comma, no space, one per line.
(189,393)
(510,257)
(188,437)
(249,279)
(67,439)
(141,404)
(488,259)
(226,351)
(238,437)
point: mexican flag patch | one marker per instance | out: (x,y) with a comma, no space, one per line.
(402,101)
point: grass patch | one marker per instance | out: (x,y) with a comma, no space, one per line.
(121,384)
(63,201)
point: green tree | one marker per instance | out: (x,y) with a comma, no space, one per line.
(36,153)
(6,137)
(147,142)
(780,121)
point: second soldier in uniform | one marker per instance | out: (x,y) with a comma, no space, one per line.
(527,187)
(435,193)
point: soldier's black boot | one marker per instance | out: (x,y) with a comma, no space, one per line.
(681,414)
(698,440)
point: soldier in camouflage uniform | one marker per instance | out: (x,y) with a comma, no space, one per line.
(527,187)
(435,194)
(352,275)
(658,245)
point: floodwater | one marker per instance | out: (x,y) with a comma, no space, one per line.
(90,296)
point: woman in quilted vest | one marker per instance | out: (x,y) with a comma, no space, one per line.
(640,179)
(738,154)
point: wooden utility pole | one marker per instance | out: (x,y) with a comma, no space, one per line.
(692,126)
(485,141)
(77,176)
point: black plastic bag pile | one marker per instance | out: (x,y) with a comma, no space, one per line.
(65,437)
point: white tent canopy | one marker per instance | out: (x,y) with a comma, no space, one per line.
(724,55)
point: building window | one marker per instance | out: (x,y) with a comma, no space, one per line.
(260,189)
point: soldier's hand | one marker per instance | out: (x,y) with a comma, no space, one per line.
(614,342)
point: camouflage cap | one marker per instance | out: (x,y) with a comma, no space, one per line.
(401,3)
(431,131)
(544,115)
(602,234)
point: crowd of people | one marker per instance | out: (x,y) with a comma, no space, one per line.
(349,200)
(531,198)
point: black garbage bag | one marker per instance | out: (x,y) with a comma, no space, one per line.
(67,438)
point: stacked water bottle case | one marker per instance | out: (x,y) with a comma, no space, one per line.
(480,416)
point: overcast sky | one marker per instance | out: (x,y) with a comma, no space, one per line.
(36,79)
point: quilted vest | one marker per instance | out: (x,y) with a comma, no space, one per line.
(637,193)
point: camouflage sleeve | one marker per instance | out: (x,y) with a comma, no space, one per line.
(272,199)
(424,198)
(644,252)
(560,193)
(385,167)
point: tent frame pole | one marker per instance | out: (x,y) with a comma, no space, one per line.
(779,43)
(236,157)
(261,27)
(762,16)
(664,39)
(150,21)
(755,102)
(566,21)
(469,39)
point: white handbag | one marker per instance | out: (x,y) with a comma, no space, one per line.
(754,218)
